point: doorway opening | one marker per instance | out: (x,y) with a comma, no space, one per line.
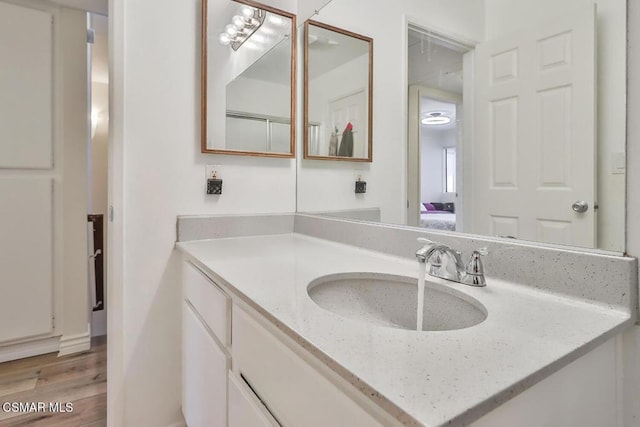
(97,161)
(436,78)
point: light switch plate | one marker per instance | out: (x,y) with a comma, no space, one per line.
(618,163)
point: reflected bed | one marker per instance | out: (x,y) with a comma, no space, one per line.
(438,220)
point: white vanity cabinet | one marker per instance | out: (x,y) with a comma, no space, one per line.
(205,356)
(295,391)
(204,374)
(270,384)
(245,409)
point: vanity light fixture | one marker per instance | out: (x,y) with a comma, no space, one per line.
(436,118)
(277,20)
(242,27)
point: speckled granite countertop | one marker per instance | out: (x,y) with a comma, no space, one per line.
(420,378)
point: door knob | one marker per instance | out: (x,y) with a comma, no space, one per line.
(580,206)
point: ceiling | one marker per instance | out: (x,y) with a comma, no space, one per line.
(434,64)
(329,50)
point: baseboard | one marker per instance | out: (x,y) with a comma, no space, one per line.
(28,349)
(98,323)
(180,424)
(70,344)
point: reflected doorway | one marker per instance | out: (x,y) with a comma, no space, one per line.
(435,183)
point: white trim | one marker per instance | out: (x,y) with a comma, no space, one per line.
(70,344)
(28,349)
(178,424)
(115,230)
(94,6)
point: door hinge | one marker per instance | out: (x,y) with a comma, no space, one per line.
(111,213)
(91,35)
(53,322)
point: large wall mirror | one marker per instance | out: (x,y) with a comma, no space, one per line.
(502,118)
(248,79)
(338,85)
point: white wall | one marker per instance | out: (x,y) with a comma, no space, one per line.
(98,178)
(434,141)
(98,182)
(506,16)
(249,95)
(259,97)
(73,48)
(319,181)
(158,172)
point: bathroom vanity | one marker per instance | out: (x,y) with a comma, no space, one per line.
(258,350)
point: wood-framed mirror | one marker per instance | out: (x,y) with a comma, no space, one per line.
(248,79)
(338,94)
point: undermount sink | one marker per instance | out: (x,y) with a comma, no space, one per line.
(391,301)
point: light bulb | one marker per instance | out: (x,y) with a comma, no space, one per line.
(231,30)
(276,20)
(224,39)
(247,12)
(238,22)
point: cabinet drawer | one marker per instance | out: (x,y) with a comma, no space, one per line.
(295,392)
(245,409)
(204,374)
(211,302)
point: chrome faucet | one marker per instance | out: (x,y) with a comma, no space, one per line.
(472,274)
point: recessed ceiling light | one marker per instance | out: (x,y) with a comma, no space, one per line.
(436,118)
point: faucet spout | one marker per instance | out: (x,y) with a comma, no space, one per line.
(472,274)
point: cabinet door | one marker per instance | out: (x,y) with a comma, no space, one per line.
(295,392)
(204,374)
(209,301)
(245,409)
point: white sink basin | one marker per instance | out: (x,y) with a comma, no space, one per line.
(390,300)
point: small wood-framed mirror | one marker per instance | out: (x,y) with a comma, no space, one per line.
(338,94)
(248,79)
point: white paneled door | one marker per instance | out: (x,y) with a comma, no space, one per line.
(351,109)
(535,139)
(26,88)
(26,257)
(29,224)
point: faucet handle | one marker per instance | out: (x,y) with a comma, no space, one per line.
(425,241)
(475,263)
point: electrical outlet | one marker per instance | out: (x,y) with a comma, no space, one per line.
(212,172)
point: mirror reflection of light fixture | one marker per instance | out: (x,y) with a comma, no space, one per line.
(242,27)
(436,118)
(95,116)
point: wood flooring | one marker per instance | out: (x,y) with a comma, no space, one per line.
(79,379)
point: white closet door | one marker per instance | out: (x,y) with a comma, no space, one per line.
(535,140)
(26,257)
(26,87)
